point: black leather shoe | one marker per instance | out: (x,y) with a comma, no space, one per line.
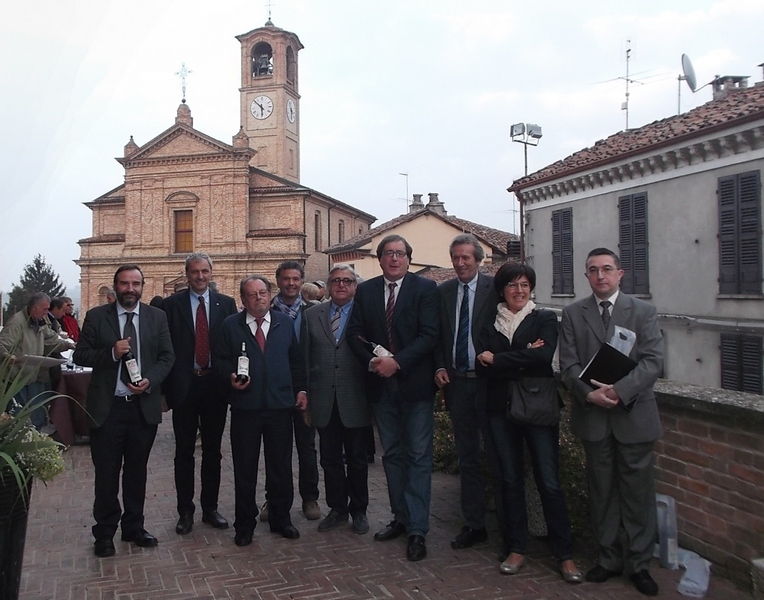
(393,530)
(288,531)
(214,519)
(242,539)
(103,547)
(360,523)
(416,549)
(644,583)
(333,520)
(468,537)
(141,538)
(600,574)
(185,524)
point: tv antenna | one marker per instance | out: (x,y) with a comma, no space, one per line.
(625,105)
(406,199)
(689,77)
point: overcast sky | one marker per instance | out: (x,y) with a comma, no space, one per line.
(424,87)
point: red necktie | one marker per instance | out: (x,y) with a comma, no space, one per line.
(202,337)
(259,335)
(389,315)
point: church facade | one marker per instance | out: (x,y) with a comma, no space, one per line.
(242,203)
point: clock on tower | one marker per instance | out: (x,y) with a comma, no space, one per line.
(269,99)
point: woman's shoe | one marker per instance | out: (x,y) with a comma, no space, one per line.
(512,564)
(570,572)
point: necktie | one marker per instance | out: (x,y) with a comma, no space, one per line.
(389,315)
(129,332)
(336,325)
(462,336)
(202,337)
(606,304)
(259,335)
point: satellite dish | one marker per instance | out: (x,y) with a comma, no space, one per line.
(689,73)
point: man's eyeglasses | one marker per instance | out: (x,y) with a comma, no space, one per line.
(342,280)
(261,294)
(606,270)
(399,254)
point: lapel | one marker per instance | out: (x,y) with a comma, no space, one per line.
(325,318)
(451,294)
(528,322)
(404,293)
(185,311)
(113,320)
(144,329)
(591,313)
(621,311)
(483,291)
(378,296)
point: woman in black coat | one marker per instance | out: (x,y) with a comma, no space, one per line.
(521,343)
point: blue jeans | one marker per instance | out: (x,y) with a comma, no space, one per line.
(34,391)
(543,444)
(405,430)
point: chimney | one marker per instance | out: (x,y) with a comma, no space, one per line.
(436,205)
(416,203)
(723,85)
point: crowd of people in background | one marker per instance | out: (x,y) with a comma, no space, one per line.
(295,358)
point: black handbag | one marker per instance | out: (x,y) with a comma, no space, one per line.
(534,401)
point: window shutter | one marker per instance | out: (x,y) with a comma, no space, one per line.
(730,363)
(556,252)
(741,358)
(728,275)
(567,251)
(750,233)
(640,265)
(625,243)
(750,352)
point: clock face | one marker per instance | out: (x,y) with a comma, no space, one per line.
(291,111)
(261,107)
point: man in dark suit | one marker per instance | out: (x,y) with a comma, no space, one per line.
(290,276)
(196,397)
(123,415)
(261,405)
(467,304)
(617,423)
(338,405)
(399,311)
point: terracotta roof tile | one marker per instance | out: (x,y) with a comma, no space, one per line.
(739,105)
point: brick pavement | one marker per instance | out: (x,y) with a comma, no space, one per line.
(59,563)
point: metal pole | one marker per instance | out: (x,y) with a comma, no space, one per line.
(520,201)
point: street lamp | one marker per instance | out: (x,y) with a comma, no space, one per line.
(526,134)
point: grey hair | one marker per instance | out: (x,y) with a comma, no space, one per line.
(343,267)
(198,256)
(253,278)
(468,238)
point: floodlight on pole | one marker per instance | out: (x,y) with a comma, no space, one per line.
(527,134)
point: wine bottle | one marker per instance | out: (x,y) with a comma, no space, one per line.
(131,364)
(242,368)
(376,349)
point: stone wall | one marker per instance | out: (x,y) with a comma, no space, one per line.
(711,461)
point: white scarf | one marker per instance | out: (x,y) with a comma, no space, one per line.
(507,322)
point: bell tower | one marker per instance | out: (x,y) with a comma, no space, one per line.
(270,101)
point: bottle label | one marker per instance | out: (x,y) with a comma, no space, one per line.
(133,371)
(242,369)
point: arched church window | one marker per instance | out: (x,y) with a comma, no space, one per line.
(262,59)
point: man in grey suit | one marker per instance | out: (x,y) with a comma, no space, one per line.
(338,405)
(123,415)
(467,304)
(617,423)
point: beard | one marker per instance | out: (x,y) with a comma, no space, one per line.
(128,299)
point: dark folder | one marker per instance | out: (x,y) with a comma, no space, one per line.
(607,366)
